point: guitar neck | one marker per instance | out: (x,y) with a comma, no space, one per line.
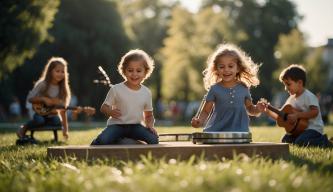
(66,108)
(275,110)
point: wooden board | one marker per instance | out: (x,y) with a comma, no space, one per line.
(168,150)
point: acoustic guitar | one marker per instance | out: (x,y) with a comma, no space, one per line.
(43,110)
(296,128)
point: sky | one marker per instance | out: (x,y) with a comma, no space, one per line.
(317,23)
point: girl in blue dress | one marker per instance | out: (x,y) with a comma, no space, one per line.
(228,76)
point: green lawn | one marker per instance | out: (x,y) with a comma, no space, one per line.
(26,168)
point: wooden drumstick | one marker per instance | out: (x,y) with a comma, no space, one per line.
(200,107)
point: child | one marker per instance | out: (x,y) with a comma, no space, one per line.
(129,104)
(228,76)
(294,80)
(51,89)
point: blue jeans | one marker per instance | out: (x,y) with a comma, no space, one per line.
(39,121)
(113,133)
(308,138)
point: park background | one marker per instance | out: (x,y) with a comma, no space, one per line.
(179,35)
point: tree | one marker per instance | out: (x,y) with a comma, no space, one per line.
(176,60)
(146,23)
(317,71)
(24,26)
(290,49)
(191,39)
(211,28)
(87,34)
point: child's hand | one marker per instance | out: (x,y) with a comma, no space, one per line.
(153,130)
(115,113)
(261,107)
(47,101)
(196,122)
(292,118)
(65,135)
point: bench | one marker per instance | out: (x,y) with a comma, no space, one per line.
(170,150)
(55,130)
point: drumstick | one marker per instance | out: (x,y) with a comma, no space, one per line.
(200,107)
(107,79)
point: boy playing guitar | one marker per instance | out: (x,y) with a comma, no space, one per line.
(301,105)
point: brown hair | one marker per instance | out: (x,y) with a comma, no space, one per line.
(64,90)
(136,55)
(294,72)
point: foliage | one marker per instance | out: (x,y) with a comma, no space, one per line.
(290,49)
(87,34)
(147,30)
(24,26)
(27,168)
(177,62)
(190,40)
(317,71)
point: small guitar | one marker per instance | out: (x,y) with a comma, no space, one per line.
(42,109)
(294,129)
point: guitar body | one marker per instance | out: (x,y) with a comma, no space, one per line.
(293,128)
(43,110)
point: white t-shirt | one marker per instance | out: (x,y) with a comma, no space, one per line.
(131,103)
(303,103)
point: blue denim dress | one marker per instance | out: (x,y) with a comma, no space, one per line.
(229,112)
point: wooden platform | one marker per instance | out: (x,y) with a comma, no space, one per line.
(168,150)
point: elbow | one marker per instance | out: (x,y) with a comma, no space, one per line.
(102,109)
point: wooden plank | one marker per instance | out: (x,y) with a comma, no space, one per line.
(168,150)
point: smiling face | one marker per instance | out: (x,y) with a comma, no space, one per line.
(227,69)
(135,73)
(58,74)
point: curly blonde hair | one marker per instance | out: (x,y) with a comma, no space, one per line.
(248,70)
(136,55)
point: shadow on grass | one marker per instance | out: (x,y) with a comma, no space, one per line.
(83,128)
(321,166)
(39,143)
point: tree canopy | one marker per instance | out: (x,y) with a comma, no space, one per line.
(24,26)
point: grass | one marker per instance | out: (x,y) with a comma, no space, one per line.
(26,168)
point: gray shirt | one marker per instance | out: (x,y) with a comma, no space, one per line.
(229,112)
(52,92)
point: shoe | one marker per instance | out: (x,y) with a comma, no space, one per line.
(20,132)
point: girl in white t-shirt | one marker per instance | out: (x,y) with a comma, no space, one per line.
(129,104)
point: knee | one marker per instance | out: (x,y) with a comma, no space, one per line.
(153,140)
(102,139)
(287,139)
(302,142)
(39,121)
